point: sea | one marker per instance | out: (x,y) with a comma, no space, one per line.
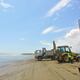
(5,59)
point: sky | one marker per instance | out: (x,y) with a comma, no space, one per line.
(27,25)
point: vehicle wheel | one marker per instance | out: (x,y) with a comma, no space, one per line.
(39,58)
(71,60)
(52,58)
(78,59)
(65,58)
(59,59)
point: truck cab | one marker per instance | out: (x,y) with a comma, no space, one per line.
(43,54)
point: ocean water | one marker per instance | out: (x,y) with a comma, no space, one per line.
(5,59)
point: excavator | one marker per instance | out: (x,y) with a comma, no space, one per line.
(59,53)
(64,54)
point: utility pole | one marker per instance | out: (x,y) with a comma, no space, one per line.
(79,24)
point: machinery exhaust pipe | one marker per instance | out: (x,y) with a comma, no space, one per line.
(54,47)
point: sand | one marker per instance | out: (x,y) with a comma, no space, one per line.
(39,70)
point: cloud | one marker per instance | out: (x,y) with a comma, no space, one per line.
(53,29)
(46,44)
(71,38)
(60,5)
(47,30)
(5,5)
(73,33)
(60,30)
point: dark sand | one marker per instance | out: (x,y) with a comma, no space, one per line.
(39,70)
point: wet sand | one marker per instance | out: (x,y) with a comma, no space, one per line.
(39,70)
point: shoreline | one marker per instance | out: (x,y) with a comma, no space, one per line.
(39,70)
(13,68)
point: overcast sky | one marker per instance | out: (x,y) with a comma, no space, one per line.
(26,25)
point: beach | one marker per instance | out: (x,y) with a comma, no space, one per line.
(39,70)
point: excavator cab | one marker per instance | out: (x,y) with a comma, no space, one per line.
(64,54)
(64,49)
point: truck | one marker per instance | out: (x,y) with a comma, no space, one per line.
(43,54)
(59,53)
